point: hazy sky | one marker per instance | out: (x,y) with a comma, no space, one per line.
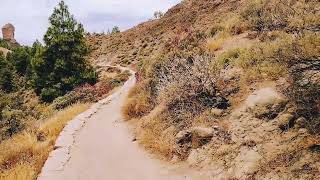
(30,17)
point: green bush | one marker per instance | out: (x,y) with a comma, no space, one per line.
(84,94)
(19,110)
(20,58)
(90,93)
(4,44)
(7,75)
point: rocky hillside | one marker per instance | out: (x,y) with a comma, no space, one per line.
(227,86)
(150,38)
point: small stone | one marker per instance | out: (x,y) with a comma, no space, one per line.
(285,121)
(202,132)
(216,112)
(303,131)
(300,122)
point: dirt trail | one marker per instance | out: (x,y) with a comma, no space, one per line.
(103,148)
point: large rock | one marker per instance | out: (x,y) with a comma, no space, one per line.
(192,139)
(8,32)
(265,103)
(4,51)
(285,121)
(183,144)
(202,132)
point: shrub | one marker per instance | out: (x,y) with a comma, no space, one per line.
(261,63)
(227,58)
(7,75)
(19,110)
(301,55)
(215,44)
(186,86)
(90,93)
(83,94)
(20,58)
(158,14)
(287,15)
(115,30)
(4,44)
(139,101)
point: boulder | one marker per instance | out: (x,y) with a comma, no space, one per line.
(265,103)
(183,144)
(192,139)
(202,132)
(285,121)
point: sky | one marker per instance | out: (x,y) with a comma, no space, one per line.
(30,17)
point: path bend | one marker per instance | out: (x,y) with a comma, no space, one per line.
(97,145)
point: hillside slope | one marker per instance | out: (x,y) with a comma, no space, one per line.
(228,86)
(150,38)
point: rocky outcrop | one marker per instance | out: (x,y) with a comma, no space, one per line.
(196,137)
(265,103)
(8,34)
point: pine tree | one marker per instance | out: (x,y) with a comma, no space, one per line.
(115,29)
(20,58)
(7,74)
(63,66)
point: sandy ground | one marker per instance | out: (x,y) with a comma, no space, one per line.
(104,149)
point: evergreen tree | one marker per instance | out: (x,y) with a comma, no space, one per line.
(115,29)
(6,75)
(63,66)
(20,58)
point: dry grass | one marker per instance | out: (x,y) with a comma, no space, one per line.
(215,44)
(23,156)
(155,134)
(139,102)
(53,126)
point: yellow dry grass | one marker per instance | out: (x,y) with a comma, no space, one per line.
(155,134)
(214,44)
(137,104)
(23,156)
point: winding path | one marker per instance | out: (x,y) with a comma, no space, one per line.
(97,145)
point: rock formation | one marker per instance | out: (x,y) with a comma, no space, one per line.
(8,33)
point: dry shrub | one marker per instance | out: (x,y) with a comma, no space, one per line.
(20,172)
(91,93)
(181,90)
(139,102)
(234,24)
(52,127)
(260,62)
(302,58)
(23,155)
(156,134)
(214,44)
(187,85)
(20,110)
(228,58)
(287,15)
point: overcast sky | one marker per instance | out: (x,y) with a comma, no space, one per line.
(30,17)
